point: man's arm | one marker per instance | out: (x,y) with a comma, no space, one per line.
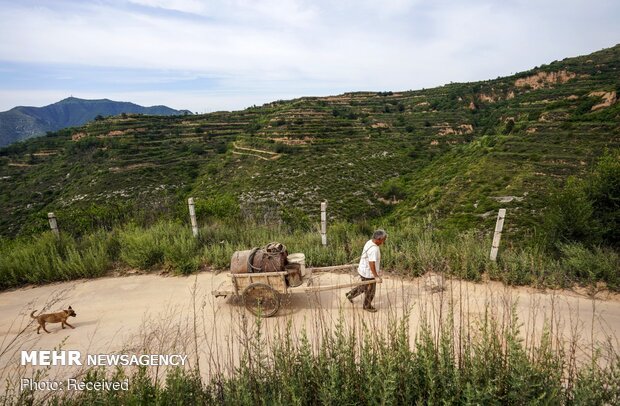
(373,269)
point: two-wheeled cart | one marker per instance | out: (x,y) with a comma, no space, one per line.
(261,291)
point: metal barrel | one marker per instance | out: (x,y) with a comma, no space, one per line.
(239,261)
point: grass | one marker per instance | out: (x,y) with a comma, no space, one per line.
(166,244)
(413,249)
(47,259)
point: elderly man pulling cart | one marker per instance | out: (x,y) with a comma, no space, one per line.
(259,276)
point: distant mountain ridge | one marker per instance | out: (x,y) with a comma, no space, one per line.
(25,122)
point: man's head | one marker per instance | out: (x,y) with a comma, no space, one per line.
(379,236)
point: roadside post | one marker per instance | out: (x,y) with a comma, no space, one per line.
(192,216)
(499,225)
(324,223)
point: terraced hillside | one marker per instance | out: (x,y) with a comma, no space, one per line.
(453,154)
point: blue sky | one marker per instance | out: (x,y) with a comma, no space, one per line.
(227,55)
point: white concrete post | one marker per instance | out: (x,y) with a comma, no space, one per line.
(324,223)
(51,217)
(192,216)
(498,233)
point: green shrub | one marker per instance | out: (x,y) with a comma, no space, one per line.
(296,219)
(569,218)
(510,125)
(287,149)
(585,106)
(142,249)
(588,210)
(164,244)
(88,258)
(394,188)
(181,252)
(591,265)
(604,192)
(223,206)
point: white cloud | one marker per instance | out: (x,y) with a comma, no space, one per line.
(286,46)
(186,6)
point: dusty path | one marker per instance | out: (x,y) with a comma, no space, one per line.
(157,315)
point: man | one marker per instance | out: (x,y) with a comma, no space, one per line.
(369,268)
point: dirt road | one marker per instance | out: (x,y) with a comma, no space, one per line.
(153,314)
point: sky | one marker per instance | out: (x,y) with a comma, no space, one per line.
(212,55)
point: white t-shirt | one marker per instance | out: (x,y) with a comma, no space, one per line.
(370,252)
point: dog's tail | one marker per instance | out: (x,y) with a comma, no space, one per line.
(32,314)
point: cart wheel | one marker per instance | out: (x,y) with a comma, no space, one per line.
(261,299)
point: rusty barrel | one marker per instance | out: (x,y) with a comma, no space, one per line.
(257,260)
(239,261)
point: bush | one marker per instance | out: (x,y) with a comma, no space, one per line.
(142,249)
(80,220)
(604,192)
(295,219)
(591,265)
(585,106)
(165,244)
(222,206)
(181,252)
(510,125)
(393,189)
(286,149)
(570,218)
(588,210)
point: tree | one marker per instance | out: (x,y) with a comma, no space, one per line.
(569,218)
(588,210)
(604,192)
(510,125)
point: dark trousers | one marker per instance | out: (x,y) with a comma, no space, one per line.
(369,291)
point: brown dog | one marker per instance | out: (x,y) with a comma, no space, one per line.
(58,317)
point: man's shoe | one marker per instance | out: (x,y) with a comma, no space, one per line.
(370,309)
(349,298)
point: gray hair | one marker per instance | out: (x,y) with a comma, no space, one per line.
(379,234)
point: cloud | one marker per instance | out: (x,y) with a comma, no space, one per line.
(288,46)
(186,6)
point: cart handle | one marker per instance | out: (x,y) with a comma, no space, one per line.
(331,268)
(339,286)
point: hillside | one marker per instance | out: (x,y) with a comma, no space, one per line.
(452,155)
(21,122)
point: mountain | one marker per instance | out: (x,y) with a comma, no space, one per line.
(21,122)
(450,156)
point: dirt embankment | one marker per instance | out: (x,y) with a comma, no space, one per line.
(607,99)
(544,79)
